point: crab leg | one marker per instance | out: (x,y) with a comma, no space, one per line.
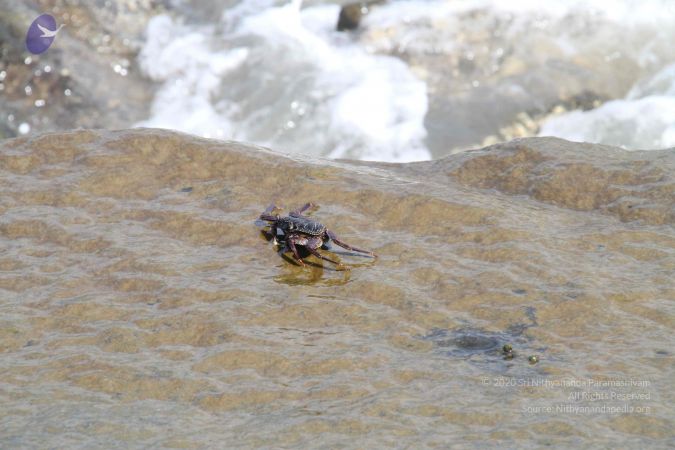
(267,214)
(319,255)
(335,239)
(291,244)
(298,212)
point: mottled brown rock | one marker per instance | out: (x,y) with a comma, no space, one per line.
(633,185)
(137,314)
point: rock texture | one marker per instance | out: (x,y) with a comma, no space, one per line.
(143,307)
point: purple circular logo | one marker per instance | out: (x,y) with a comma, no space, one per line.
(41,34)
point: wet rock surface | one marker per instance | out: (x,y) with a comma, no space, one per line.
(586,177)
(142,306)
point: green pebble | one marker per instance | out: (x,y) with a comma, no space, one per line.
(533,359)
(507,348)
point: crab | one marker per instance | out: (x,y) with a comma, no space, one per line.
(300,230)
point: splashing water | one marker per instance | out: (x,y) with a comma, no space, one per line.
(419,79)
(283,78)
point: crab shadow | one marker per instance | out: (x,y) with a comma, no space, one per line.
(314,272)
(311,261)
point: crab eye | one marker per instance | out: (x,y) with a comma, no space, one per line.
(291,226)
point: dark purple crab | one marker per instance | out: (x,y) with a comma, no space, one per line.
(303,231)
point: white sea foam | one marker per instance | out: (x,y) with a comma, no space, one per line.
(661,83)
(282,76)
(645,119)
(190,71)
(646,123)
(294,84)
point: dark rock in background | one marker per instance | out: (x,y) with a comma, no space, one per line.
(351,14)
